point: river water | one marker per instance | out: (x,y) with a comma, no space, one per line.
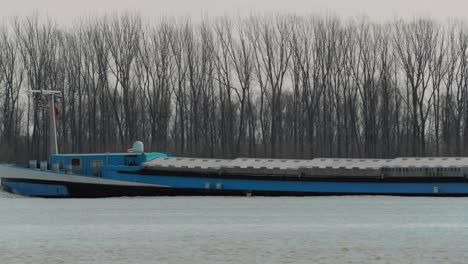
(347,229)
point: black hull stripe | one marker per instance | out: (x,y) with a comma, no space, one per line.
(297,177)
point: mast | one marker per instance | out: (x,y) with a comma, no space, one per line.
(53,127)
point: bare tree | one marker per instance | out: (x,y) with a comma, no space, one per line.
(271,86)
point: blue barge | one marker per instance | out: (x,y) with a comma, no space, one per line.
(155,173)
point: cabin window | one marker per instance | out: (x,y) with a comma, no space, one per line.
(96,168)
(132,161)
(60,163)
(76,165)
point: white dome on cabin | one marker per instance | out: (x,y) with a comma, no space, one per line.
(138,147)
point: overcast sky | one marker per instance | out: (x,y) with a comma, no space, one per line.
(66,11)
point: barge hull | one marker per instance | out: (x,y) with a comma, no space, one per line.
(54,189)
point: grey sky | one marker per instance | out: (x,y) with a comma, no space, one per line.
(66,11)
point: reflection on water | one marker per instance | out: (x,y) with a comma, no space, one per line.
(357,229)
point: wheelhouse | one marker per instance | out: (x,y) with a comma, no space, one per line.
(96,164)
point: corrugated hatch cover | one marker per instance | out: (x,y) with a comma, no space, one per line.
(317,166)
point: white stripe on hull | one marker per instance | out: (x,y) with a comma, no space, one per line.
(13,172)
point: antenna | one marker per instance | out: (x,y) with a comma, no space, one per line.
(53,127)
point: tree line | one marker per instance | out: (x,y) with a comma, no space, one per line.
(262,86)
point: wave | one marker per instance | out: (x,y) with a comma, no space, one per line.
(4,194)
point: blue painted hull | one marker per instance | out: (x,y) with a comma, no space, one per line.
(278,187)
(36,189)
(196,185)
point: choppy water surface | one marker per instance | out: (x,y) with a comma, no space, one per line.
(359,229)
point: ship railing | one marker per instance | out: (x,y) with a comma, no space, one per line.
(412,171)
